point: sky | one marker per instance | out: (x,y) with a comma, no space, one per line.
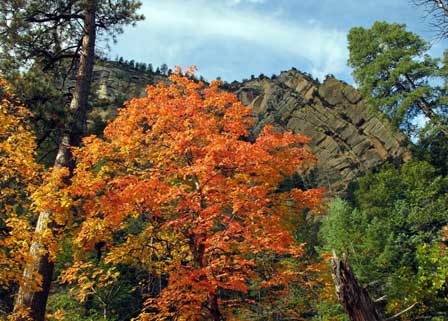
(234,39)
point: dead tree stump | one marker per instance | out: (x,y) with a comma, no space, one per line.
(354,298)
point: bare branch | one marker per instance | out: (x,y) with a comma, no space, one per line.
(401,312)
(437,12)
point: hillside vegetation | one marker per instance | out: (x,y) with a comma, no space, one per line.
(130,192)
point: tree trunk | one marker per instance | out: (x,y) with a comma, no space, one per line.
(355,299)
(27,297)
(214,307)
(425,107)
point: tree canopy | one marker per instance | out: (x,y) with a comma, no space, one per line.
(40,47)
(56,39)
(176,189)
(393,235)
(212,218)
(49,32)
(19,178)
(396,75)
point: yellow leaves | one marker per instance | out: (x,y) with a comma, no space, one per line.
(51,194)
(89,278)
(322,270)
(92,231)
(20,314)
(14,251)
(58,315)
(19,177)
(17,146)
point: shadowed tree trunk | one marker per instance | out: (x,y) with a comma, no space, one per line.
(355,299)
(27,297)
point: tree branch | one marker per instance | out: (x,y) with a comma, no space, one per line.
(401,312)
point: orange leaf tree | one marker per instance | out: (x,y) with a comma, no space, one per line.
(197,200)
(19,177)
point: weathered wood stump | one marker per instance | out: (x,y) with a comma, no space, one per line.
(354,298)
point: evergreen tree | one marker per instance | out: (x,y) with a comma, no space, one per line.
(164,69)
(47,31)
(389,232)
(395,74)
(150,68)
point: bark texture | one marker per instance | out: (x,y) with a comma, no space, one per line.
(27,297)
(354,298)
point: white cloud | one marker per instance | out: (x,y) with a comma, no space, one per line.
(175,29)
(243,1)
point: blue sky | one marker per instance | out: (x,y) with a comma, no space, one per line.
(233,39)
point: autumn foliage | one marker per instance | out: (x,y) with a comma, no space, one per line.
(177,188)
(19,178)
(197,201)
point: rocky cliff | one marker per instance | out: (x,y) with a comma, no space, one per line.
(346,138)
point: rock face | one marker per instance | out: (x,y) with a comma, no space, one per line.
(114,82)
(346,138)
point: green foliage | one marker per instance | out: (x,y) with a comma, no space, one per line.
(433,148)
(71,309)
(395,73)
(48,32)
(431,280)
(390,233)
(329,311)
(44,96)
(117,301)
(40,42)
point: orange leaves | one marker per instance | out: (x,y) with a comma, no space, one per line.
(311,199)
(287,153)
(207,202)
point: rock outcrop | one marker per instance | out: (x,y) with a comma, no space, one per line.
(115,82)
(346,138)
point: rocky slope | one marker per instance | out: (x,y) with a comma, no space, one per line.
(346,138)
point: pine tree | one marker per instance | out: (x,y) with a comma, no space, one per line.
(394,72)
(164,69)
